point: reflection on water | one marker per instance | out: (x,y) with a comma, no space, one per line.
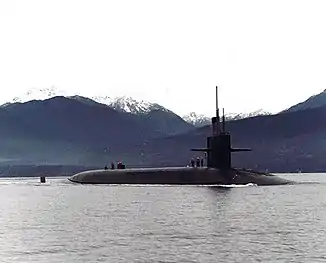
(63,222)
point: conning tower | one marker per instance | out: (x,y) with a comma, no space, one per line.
(219,144)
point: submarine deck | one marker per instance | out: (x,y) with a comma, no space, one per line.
(177,175)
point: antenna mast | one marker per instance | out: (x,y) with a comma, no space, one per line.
(217,110)
(218,129)
(223,122)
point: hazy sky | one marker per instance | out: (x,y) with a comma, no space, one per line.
(262,54)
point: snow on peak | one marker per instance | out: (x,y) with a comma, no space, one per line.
(196,119)
(201,120)
(128,104)
(238,116)
(39,94)
(124,103)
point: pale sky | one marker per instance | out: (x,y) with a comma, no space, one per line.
(262,54)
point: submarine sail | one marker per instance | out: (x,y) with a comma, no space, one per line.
(219,148)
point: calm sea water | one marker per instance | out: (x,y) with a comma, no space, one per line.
(63,222)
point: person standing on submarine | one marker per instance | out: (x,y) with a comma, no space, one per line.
(197,162)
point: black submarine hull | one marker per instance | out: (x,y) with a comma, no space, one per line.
(177,176)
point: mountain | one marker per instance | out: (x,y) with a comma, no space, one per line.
(164,120)
(37,94)
(128,104)
(239,116)
(123,104)
(78,131)
(315,101)
(66,131)
(199,120)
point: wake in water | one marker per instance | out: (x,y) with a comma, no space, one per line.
(234,185)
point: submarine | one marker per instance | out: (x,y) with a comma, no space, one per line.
(218,169)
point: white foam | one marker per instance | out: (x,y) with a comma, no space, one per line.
(236,185)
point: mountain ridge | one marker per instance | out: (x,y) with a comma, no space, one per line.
(122,103)
(314,101)
(199,120)
(126,104)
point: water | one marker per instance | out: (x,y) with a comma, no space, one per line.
(63,222)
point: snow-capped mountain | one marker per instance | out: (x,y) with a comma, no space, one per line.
(38,94)
(124,103)
(199,120)
(238,116)
(128,104)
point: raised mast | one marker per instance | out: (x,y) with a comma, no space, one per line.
(217,114)
(216,119)
(223,122)
(216,101)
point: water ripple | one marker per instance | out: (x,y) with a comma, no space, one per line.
(64,222)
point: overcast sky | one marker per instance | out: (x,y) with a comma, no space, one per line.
(262,54)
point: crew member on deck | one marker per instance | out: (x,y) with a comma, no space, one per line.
(121,166)
(201,162)
(112,165)
(192,162)
(197,162)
